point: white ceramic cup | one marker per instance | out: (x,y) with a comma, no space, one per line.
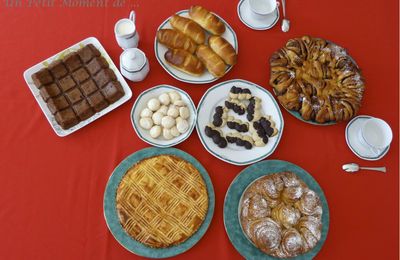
(375,134)
(125,32)
(259,9)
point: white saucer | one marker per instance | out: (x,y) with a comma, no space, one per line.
(266,23)
(356,147)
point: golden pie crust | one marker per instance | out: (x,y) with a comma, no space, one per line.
(161,201)
(318,79)
(281,215)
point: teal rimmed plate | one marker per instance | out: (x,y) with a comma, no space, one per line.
(206,77)
(110,212)
(141,103)
(234,195)
(216,96)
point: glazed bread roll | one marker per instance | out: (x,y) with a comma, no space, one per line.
(188,28)
(223,48)
(207,20)
(214,64)
(184,61)
(176,40)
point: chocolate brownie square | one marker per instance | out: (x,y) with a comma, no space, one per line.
(66,83)
(58,69)
(97,101)
(72,61)
(42,77)
(74,95)
(49,91)
(83,110)
(113,91)
(96,64)
(88,52)
(103,77)
(57,103)
(88,87)
(80,75)
(66,118)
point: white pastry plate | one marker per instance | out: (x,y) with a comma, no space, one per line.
(216,96)
(351,134)
(35,91)
(160,50)
(245,16)
(141,103)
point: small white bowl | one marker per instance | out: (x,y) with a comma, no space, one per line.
(141,103)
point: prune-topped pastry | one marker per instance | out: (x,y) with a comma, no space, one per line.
(240,93)
(240,140)
(236,106)
(220,116)
(216,136)
(237,124)
(276,224)
(253,109)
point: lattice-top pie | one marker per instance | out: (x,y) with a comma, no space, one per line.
(162,201)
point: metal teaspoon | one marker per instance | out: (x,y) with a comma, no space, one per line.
(353,167)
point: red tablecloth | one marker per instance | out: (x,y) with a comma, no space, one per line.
(51,188)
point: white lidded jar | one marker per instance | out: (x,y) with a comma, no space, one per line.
(134,64)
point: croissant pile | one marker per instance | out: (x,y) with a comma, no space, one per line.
(281,215)
(189,48)
(318,79)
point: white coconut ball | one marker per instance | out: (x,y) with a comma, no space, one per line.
(164,99)
(174,95)
(146,113)
(157,117)
(184,112)
(167,134)
(173,111)
(179,103)
(163,110)
(167,122)
(174,131)
(182,125)
(155,131)
(146,123)
(153,104)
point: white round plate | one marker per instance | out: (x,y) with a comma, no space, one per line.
(216,96)
(141,103)
(160,50)
(245,16)
(351,133)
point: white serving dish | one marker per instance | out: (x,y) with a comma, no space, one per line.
(35,91)
(141,103)
(206,77)
(216,96)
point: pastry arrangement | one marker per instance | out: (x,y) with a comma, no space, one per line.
(195,43)
(255,131)
(281,215)
(165,116)
(162,201)
(318,79)
(78,86)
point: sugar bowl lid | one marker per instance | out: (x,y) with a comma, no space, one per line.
(133,59)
